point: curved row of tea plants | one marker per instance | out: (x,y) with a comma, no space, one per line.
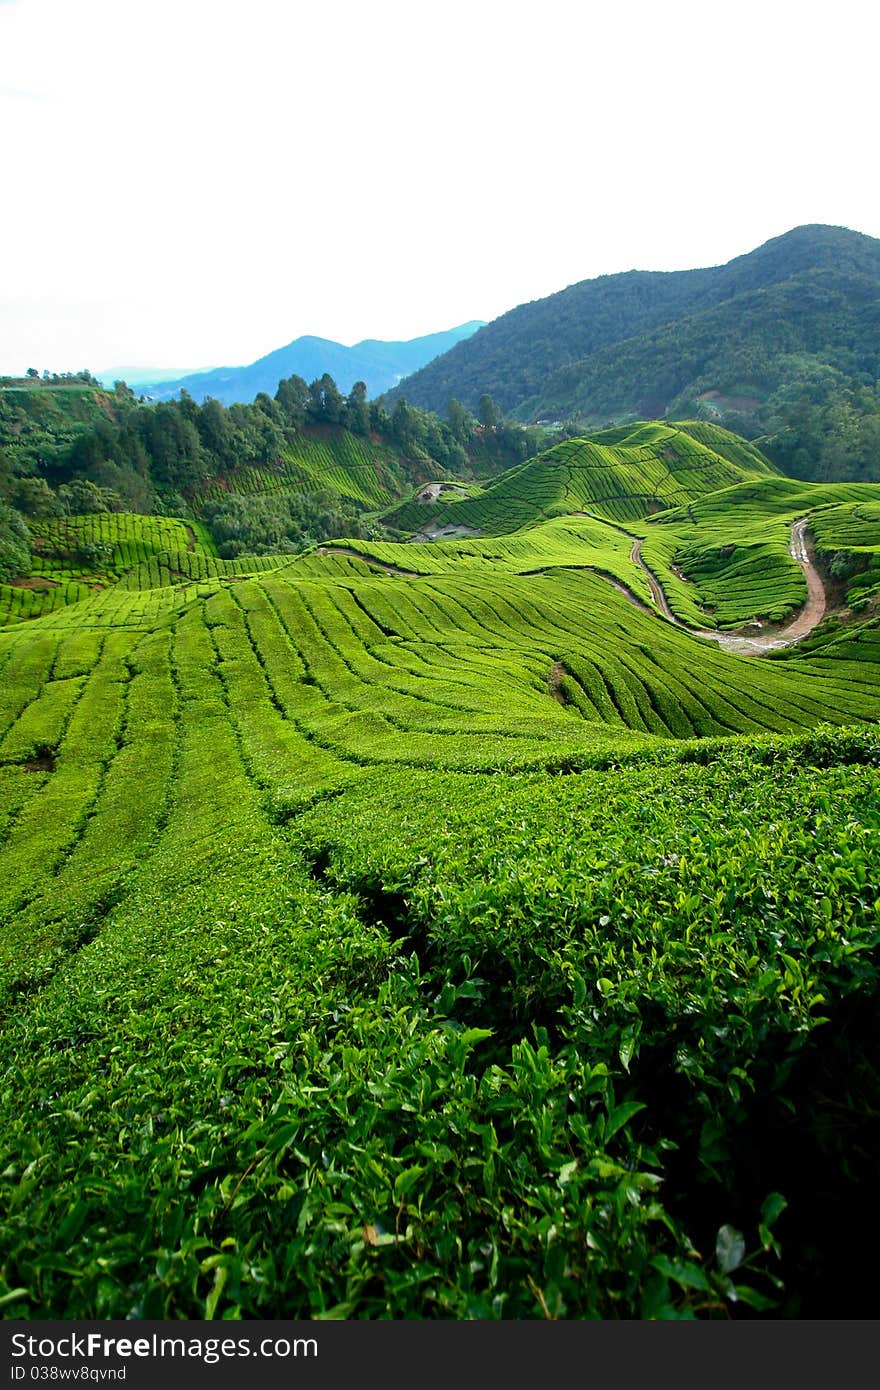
(434,932)
(619,475)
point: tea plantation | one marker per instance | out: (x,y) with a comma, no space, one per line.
(435,931)
(76,556)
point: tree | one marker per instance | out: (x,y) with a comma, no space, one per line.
(402,425)
(357,415)
(82,497)
(379,416)
(460,422)
(326,405)
(293,398)
(215,433)
(15,547)
(35,498)
(267,406)
(487,412)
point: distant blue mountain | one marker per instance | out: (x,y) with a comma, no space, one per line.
(145,375)
(378,364)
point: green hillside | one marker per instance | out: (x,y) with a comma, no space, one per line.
(438,930)
(740,351)
(273,477)
(75,556)
(780,345)
(40,420)
(618,474)
(725,558)
(359,470)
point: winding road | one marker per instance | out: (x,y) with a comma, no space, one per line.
(809,617)
(738,643)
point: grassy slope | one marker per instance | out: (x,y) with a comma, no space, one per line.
(360,470)
(251,1098)
(618,474)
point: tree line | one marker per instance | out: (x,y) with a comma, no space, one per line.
(63,454)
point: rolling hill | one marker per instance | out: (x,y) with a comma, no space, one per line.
(618,474)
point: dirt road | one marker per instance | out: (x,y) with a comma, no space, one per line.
(740,643)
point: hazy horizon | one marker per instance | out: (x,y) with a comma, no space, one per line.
(195,186)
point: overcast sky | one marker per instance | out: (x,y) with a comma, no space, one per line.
(195,182)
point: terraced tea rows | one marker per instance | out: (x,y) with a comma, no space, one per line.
(357,469)
(619,475)
(113,541)
(848,537)
(437,931)
(76,556)
(323,677)
(726,559)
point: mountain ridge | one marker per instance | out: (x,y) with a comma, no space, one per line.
(515,356)
(379,363)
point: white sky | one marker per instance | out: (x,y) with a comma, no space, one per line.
(196,182)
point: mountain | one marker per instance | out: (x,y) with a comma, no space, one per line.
(814,291)
(144,377)
(380,365)
(731,357)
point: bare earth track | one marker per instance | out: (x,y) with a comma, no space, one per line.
(737,643)
(351,554)
(809,617)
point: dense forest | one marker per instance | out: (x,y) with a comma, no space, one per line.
(68,447)
(747,362)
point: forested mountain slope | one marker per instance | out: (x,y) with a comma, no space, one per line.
(800,313)
(740,351)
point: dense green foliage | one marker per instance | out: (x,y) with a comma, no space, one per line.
(746,347)
(15,544)
(821,424)
(278,523)
(397,930)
